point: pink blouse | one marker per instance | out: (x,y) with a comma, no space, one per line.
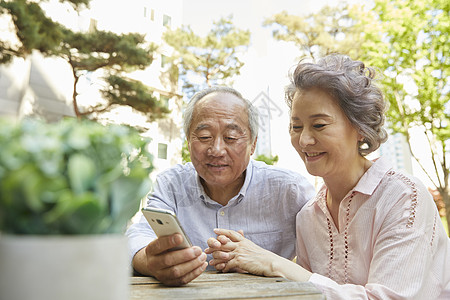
(390,244)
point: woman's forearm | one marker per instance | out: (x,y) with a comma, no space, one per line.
(282,267)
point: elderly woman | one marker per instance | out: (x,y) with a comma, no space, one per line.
(371,232)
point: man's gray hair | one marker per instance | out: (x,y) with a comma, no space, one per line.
(252,111)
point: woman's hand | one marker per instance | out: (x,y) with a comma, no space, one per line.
(219,248)
(231,251)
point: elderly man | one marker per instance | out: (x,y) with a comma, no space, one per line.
(221,188)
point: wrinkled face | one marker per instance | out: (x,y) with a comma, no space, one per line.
(219,140)
(322,134)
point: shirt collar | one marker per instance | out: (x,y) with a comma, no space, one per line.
(238,198)
(373,176)
(320,197)
(248,177)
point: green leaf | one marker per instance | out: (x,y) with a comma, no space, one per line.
(67,187)
(81,171)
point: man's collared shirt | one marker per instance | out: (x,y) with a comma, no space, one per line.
(265,207)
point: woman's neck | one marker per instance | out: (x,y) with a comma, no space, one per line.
(339,186)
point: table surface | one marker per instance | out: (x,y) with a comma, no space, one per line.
(214,285)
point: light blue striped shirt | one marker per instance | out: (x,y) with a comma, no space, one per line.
(265,207)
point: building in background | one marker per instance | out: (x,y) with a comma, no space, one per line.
(36,86)
(43,86)
(151,18)
(267,110)
(397,151)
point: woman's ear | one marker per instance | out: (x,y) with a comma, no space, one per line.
(360,137)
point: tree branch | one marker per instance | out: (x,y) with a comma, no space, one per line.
(433,158)
(418,161)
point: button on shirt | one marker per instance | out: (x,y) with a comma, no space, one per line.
(265,207)
(390,244)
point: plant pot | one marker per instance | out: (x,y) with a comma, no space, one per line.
(64,267)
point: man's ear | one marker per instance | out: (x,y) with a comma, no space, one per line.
(254,146)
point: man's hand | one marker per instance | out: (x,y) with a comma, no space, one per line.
(170,267)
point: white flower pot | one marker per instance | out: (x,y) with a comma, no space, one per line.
(64,267)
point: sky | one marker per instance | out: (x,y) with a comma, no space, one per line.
(248,14)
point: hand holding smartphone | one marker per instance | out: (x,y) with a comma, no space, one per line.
(164,222)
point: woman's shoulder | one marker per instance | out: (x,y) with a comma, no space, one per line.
(406,194)
(401,180)
(383,177)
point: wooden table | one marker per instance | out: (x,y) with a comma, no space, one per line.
(213,285)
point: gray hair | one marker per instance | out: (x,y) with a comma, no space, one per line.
(252,111)
(350,83)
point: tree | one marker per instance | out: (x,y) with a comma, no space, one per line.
(209,60)
(33,29)
(115,55)
(408,42)
(412,49)
(331,30)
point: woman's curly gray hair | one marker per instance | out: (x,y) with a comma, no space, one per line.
(350,83)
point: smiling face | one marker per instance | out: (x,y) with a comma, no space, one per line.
(219,141)
(323,136)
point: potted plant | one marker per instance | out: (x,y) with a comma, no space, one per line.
(67,190)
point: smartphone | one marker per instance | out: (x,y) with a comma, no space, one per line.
(164,222)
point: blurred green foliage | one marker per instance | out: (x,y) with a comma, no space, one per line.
(330,30)
(408,40)
(270,160)
(71,177)
(185,154)
(213,59)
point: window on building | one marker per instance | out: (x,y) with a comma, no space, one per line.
(164,60)
(164,100)
(162,150)
(92,25)
(149,13)
(152,14)
(167,20)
